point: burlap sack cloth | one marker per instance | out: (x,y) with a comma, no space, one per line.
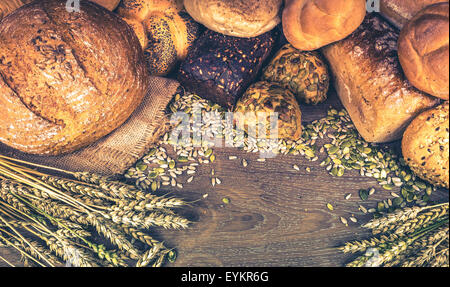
(118,151)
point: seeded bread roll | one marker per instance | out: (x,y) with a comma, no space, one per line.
(220,68)
(370,82)
(267,99)
(304,73)
(66,79)
(238,18)
(165,30)
(399,12)
(423,50)
(425,145)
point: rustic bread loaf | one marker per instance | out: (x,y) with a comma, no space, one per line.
(304,73)
(311,24)
(423,50)
(370,82)
(165,30)
(66,79)
(260,104)
(220,68)
(398,12)
(238,18)
(425,145)
(108,4)
(8,6)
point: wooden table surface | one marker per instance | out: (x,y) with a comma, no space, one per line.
(277,216)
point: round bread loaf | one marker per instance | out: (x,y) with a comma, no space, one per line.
(311,24)
(108,4)
(239,18)
(304,73)
(8,6)
(66,78)
(425,145)
(424,52)
(268,99)
(165,30)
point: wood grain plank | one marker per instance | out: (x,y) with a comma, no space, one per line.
(277,216)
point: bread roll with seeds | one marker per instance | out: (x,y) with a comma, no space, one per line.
(63,83)
(425,145)
(304,73)
(267,100)
(165,30)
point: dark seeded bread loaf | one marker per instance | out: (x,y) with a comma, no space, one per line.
(220,68)
(66,79)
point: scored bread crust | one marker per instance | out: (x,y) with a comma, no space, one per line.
(423,50)
(75,76)
(238,18)
(425,145)
(399,12)
(311,24)
(370,83)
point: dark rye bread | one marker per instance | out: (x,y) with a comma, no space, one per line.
(220,68)
(66,79)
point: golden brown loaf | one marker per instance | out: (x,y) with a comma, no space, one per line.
(8,6)
(238,18)
(312,24)
(398,12)
(165,30)
(423,50)
(425,145)
(66,79)
(108,4)
(370,83)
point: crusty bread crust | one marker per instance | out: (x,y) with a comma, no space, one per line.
(423,50)
(425,145)
(66,79)
(311,24)
(370,83)
(399,12)
(238,18)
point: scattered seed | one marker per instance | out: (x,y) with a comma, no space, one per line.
(344,221)
(330,207)
(226,200)
(363,194)
(296,167)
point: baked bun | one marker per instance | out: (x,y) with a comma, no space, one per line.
(66,79)
(399,12)
(425,145)
(423,50)
(165,30)
(238,18)
(108,4)
(311,24)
